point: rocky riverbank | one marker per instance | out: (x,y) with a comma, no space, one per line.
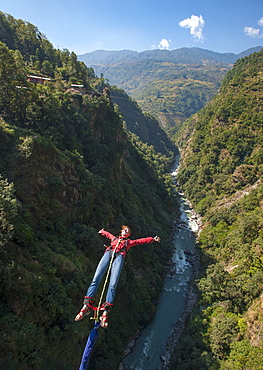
(190,220)
(193,222)
(190,302)
(193,258)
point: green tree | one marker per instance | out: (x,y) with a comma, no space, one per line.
(13,84)
(47,68)
(224,329)
(8,210)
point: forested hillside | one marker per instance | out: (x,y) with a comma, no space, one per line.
(170,85)
(69,167)
(221,173)
(144,125)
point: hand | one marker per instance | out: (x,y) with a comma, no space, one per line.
(99,232)
(157,239)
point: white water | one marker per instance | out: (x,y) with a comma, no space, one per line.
(151,345)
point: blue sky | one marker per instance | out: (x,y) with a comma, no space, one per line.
(86,25)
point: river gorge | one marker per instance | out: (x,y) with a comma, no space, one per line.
(152,347)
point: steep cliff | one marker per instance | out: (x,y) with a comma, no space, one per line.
(221,173)
(68,168)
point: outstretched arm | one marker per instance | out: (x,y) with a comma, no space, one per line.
(150,239)
(106,234)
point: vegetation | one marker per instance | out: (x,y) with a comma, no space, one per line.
(170,85)
(143,125)
(170,91)
(39,53)
(75,159)
(69,167)
(221,173)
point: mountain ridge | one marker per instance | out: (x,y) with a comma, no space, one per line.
(114,56)
(170,85)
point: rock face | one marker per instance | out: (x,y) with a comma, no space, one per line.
(132,343)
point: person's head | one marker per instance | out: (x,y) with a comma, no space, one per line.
(125,231)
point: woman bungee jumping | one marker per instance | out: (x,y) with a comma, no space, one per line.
(112,260)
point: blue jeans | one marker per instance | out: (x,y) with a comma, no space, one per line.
(114,276)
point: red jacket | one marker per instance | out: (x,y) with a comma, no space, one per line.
(123,242)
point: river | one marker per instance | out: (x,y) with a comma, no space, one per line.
(152,348)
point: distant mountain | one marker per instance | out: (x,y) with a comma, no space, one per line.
(183,55)
(171,85)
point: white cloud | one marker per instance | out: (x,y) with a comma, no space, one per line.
(253,32)
(196,25)
(164,44)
